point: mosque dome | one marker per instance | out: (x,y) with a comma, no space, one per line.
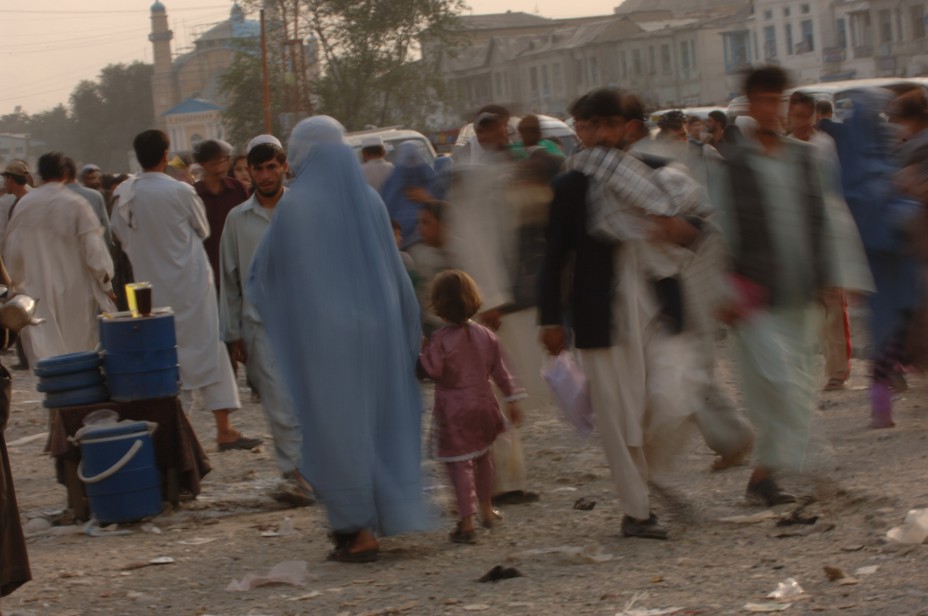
(157,7)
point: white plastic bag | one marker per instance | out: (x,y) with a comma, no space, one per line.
(571,391)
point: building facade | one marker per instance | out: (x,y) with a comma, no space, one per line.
(828,40)
(679,52)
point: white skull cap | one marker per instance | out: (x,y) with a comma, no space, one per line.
(261,139)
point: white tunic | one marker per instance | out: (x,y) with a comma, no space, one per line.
(161,224)
(55,252)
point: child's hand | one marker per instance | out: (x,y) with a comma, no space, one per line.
(514,413)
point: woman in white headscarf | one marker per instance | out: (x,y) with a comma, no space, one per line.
(343,319)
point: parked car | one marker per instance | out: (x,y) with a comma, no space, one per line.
(392,137)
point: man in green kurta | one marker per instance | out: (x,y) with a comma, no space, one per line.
(791,239)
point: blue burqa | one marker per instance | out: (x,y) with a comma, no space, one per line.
(882,213)
(343,321)
(411,170)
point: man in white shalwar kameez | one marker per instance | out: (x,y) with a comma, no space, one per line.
(481,240)
(644,386)
(55,252)
(161,224)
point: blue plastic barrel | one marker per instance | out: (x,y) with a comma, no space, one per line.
(140,356)
(119,472)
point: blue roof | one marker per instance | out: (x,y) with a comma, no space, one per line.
(192,105)
(157,7)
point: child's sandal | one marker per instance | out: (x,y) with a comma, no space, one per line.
(463,536)
(493,520)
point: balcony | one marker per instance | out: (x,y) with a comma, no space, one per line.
(834,55)
(737,68)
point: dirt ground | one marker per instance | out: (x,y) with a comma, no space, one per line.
(572,561)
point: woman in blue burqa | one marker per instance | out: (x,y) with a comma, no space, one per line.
(343,321)
(411,185)
(883,215)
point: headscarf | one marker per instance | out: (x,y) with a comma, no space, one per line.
(444,169)
(868,170)
(411,171)
(343,322)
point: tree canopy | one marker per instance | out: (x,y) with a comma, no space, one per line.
(371,68)
(101,118)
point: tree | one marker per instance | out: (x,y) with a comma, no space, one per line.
(373,72)
(241,87)
(52,130)
(109,112)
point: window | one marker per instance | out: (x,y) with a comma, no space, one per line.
(581,70)
(808,38)
(886,26)
(499,84)
(558,77)
(841,34)
(545,84)
(636,62)
(770,42)
(594,70)
(768,15)
(666,61)
(533,80)
(786,11)
(624,62)
(805,9)
(788,32)
(918,21)
(693,53)
(685,55)
(736,50)
(652,62)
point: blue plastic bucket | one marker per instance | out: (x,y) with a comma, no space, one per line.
(140,356)
(119,472)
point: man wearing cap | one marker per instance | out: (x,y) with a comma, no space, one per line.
(16,183)
(240,323)
(219,192)
(161,224)
(483,241)
(375,167)
(93,197)
(91,177)
(55,251)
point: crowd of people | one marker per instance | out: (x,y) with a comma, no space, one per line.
(341,285)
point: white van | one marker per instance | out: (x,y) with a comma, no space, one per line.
(392,137)
(831,91)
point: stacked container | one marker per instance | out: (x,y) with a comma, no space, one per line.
(140,355)
(71,380)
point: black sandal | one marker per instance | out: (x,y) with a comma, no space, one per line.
(341,540)
(344,555)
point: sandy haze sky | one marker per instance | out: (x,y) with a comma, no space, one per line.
(48,46)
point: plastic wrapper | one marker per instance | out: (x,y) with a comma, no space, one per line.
(571,391)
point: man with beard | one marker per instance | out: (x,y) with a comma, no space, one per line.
(240,323)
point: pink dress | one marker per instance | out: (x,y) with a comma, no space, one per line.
(462,359)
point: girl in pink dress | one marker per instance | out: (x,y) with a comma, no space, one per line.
(461,358)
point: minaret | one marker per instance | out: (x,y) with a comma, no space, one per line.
(163,89)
